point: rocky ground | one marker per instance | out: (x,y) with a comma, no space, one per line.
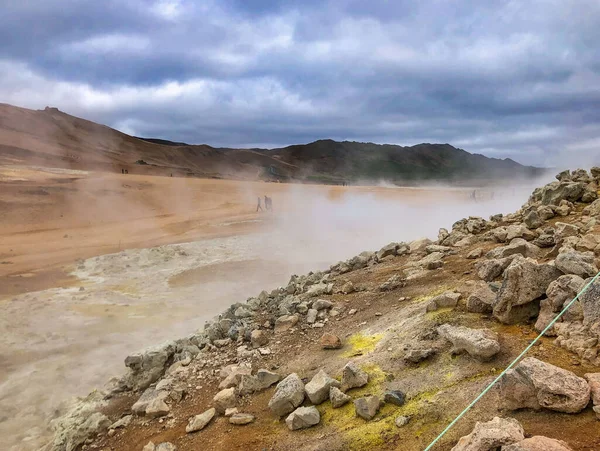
(384,350)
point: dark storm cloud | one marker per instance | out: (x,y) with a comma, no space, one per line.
(507,79)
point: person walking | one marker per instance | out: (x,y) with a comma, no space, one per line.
(258,206)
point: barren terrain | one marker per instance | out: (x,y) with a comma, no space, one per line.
(89,272)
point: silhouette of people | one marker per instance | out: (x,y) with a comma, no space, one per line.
(122,171)
(258,206)
(268,203)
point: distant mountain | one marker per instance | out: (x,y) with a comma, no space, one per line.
(50,137)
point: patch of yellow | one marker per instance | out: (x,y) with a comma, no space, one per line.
(358,433)
(361,344)
(432,294)
(127,289)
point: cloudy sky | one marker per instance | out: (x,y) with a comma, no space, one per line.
(518,79)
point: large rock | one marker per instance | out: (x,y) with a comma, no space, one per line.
(564,289)
(266,378)
(338,398)
(148,366)
(302,418)
(317,389)
(554,192)
(388,250)
(288,396)
(479,343)
(481,300)
(367,407)
(199,422)
(594,382)
(81,423)
(448,299)
(514,231)
(241,419)
(491,435)
(330,341)
(535,384)
(353,377)
(516,246)
(532,220)
(234,374)
(285,323)
(524,282)
(589,303)
(489,270)
(565,230)
(150,396)
(538,443)
(225,399)
(577,263)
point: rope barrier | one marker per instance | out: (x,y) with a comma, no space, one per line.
(488,388)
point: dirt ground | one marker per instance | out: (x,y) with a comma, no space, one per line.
(90,268)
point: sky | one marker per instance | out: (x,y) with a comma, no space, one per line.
(508,79)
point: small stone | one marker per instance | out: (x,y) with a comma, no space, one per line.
(395,397)
(241,419)
(302,418)
(338,398)
(258,338)
(225,399)
(317,389)
(231,411)
(266,378)
(199,422)
(367,407)
(322,304)
(311,316)
(352,311)
(330,341)
(289,395)
(353,377)
(402,421)
(157,408)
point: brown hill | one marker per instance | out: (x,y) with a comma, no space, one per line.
(50,137)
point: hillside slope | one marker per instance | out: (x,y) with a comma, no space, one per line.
(50,137)
(410,334)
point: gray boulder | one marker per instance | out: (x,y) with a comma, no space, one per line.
(318,388)
(491,435)
(535,384)
(288,395)
(199,422)
(448,299)
(594,382)
(337,397)
(481,300)
(479,343)
(589,303)
(266,378)
(516,246)
(554,192)
(353,377)
(524,282)
(577,263)
(532,220)
(225,399)
(241,419)
(367,407)
(538,443)
(489,270)
(148,366)
(302,418)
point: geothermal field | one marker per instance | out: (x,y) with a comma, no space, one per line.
(95,266)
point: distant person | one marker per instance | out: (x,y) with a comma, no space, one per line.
(474,195)
(122,171)
(258,206)
(266,202)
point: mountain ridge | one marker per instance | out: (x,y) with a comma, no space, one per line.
(52,137)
